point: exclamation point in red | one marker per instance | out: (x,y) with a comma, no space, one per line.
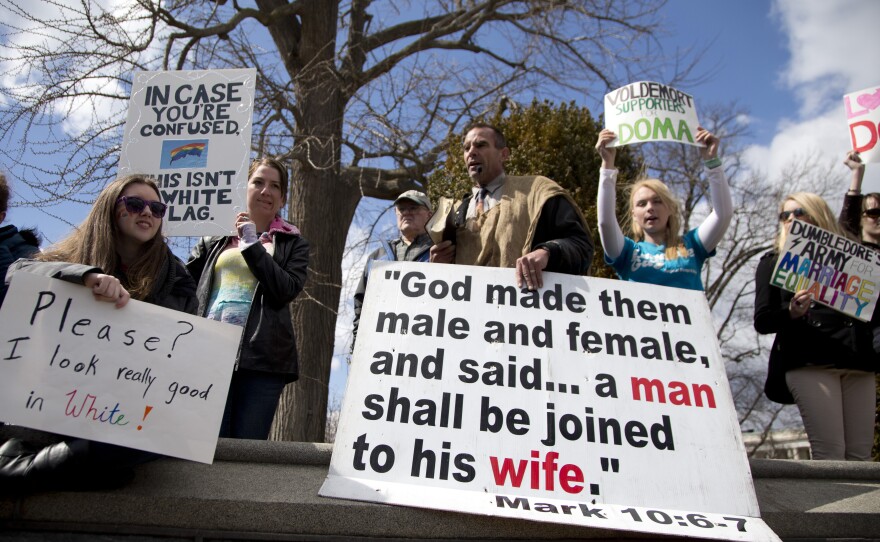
(147,410)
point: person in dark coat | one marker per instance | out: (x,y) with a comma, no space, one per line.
(413,210)
(14,243)
(249,280)
(860,213)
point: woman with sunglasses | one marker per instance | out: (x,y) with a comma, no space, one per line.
(119,253)
(821,360)
(250,280)
(658,253)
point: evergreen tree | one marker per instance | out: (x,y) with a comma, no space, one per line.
(556,141)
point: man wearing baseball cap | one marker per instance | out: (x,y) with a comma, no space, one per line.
(413,210)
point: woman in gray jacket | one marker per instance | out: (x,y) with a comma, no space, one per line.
(120,254)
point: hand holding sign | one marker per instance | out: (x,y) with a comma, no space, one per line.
(800,304)
(608,154)
(107,288)
(710,142)
(854,161)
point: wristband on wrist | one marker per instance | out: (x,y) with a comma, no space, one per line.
(248,233)
(712,163)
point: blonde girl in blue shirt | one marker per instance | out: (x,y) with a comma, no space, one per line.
(658,252)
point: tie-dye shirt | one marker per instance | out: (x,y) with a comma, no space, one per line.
(646,262)
(234,285)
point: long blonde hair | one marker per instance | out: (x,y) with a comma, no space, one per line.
(94,242)
(674,246)
(820,215)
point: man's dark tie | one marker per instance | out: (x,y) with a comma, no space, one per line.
(481,201)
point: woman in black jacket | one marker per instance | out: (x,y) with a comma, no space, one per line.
(860,214)
(120,254)
(822,360)
(249,280)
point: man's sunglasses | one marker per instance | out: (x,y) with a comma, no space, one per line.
(798,213)
(873,213)
(136,205)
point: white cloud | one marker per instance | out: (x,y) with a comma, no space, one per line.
(83,112)
(52,26)
(821,135)
(744,120)
(833,47)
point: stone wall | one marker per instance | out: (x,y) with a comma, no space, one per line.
(269,491)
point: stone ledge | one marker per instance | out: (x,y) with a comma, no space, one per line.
(258,451)
(816,470)
(268,491)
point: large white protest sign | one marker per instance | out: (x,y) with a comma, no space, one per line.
(648,111)
(839,272)
(191,130)
(590,402)
(141,376)
(863,116)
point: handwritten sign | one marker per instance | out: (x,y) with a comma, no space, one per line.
(589,402)
(191,130)
(863,116)
(648,111)
(141,376)
(839,273)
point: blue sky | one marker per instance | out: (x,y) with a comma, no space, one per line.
(744,49)
(788,62)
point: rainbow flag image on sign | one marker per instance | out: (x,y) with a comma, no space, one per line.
(180,154)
